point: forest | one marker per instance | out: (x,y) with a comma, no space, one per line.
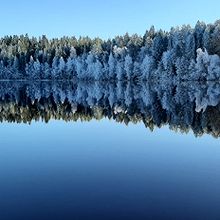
(182,54)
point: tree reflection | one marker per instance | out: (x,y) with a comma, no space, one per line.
(183,106)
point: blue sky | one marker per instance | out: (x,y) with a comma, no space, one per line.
(101,18)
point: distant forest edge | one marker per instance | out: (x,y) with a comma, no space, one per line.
(181,54)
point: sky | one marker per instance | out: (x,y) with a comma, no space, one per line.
(105,19)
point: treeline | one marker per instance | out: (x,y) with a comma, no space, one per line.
(182,53)
(153,104)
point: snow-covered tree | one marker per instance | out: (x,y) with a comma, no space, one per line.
(98,70)
(111,67)
(128,66)
(121,75)
(147,67)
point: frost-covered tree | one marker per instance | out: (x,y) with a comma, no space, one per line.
(111,67)
(121,74)
(159,45)
(81,68)
(90,61)
(98,72)
(202,62)
(62,65)
(128,67)
(55,68)
(71,67)
(37,70)
(29,69)
(147,67)
(214,68)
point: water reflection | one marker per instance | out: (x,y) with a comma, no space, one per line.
(183,106)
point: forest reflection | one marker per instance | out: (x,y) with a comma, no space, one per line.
(184,106)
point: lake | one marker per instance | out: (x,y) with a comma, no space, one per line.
(109,150)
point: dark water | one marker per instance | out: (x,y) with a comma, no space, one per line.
(76,151)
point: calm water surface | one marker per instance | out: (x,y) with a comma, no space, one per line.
(106,170)
(78,152)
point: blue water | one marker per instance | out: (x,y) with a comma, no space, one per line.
(106,170)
